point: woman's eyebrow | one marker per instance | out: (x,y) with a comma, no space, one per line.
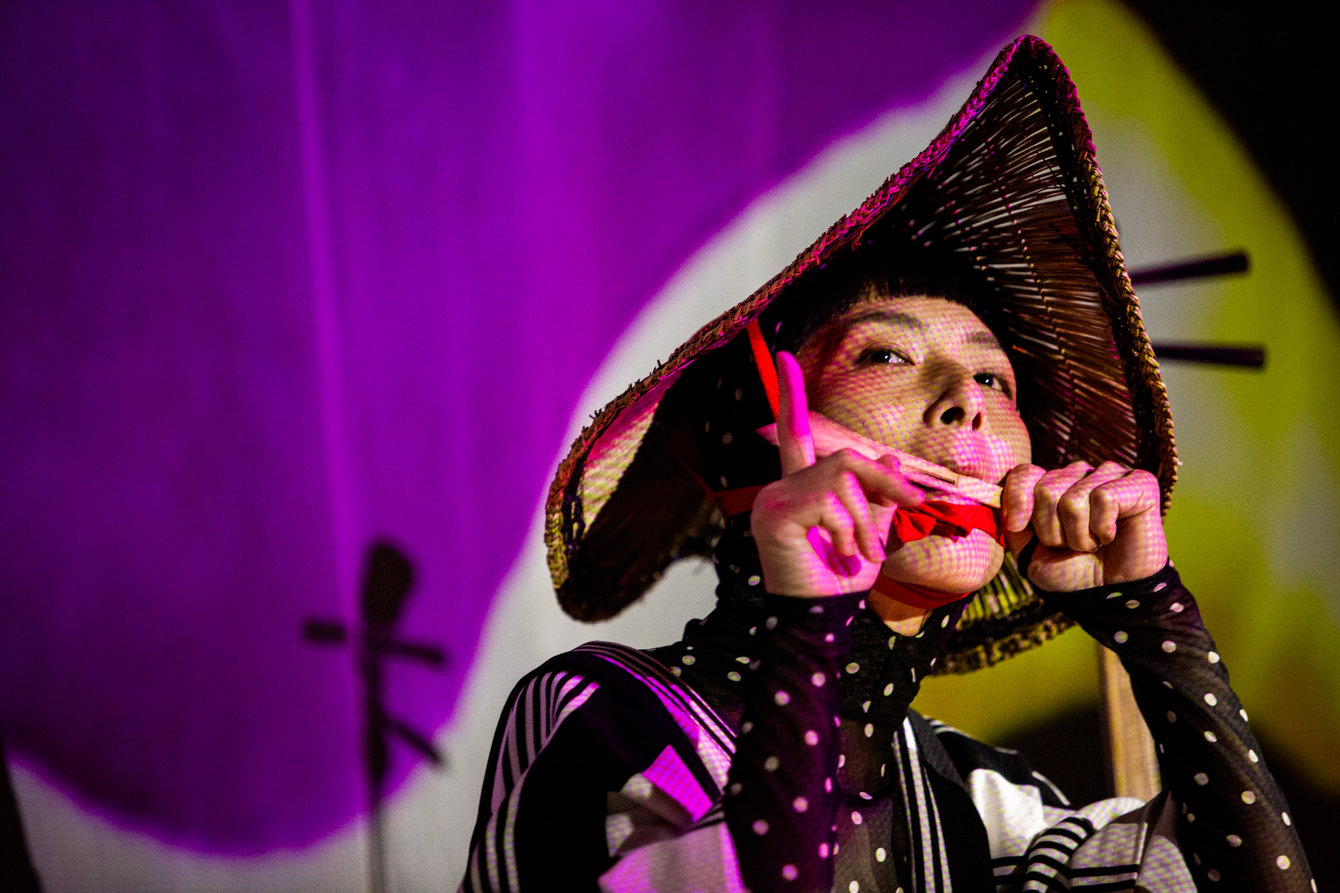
(983,336)
(891,317)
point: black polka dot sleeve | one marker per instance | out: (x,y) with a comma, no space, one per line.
(780,799)
(1235,829)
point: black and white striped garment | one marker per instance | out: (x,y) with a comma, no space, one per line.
(774,750)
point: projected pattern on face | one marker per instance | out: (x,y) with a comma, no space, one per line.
(926,376)
(919,374)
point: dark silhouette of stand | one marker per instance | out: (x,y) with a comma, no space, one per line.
(387,580)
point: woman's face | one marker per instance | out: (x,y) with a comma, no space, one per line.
(926,376)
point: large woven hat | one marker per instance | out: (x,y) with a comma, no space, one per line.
(1010,193)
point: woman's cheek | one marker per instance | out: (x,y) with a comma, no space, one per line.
(1005,453)
(880,417)
(1010,444)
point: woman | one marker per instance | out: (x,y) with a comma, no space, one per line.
(974,313)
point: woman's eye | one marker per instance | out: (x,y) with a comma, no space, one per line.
(880,356)
(991,380)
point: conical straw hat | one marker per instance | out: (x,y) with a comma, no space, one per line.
(1010,191)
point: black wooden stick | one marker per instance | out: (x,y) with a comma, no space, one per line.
(1219,265)
(1244,356)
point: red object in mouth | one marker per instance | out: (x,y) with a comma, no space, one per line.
(941,518)
(935,518)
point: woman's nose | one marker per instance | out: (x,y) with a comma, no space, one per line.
(959,403)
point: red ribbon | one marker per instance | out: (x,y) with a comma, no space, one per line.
(920,597)
(949,519)
(767,369)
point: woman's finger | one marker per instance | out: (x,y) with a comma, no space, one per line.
(843,519)
(1083,510)
(795,441)
(1047,495)
(1016,498)
(852,495)
(1131,493)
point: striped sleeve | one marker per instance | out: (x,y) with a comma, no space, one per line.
(604,774)
(535,711)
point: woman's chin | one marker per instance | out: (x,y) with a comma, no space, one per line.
(965,564)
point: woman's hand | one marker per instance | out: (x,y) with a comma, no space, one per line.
(822,528)
(1094,526)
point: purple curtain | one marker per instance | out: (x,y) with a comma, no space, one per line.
(278,282)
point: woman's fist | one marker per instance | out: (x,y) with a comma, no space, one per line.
(1094,526)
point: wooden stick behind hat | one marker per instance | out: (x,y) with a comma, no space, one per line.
(1132,767)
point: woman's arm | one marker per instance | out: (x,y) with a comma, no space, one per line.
(781,799)
(1234,826)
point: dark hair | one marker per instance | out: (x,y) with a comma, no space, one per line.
(824,293)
